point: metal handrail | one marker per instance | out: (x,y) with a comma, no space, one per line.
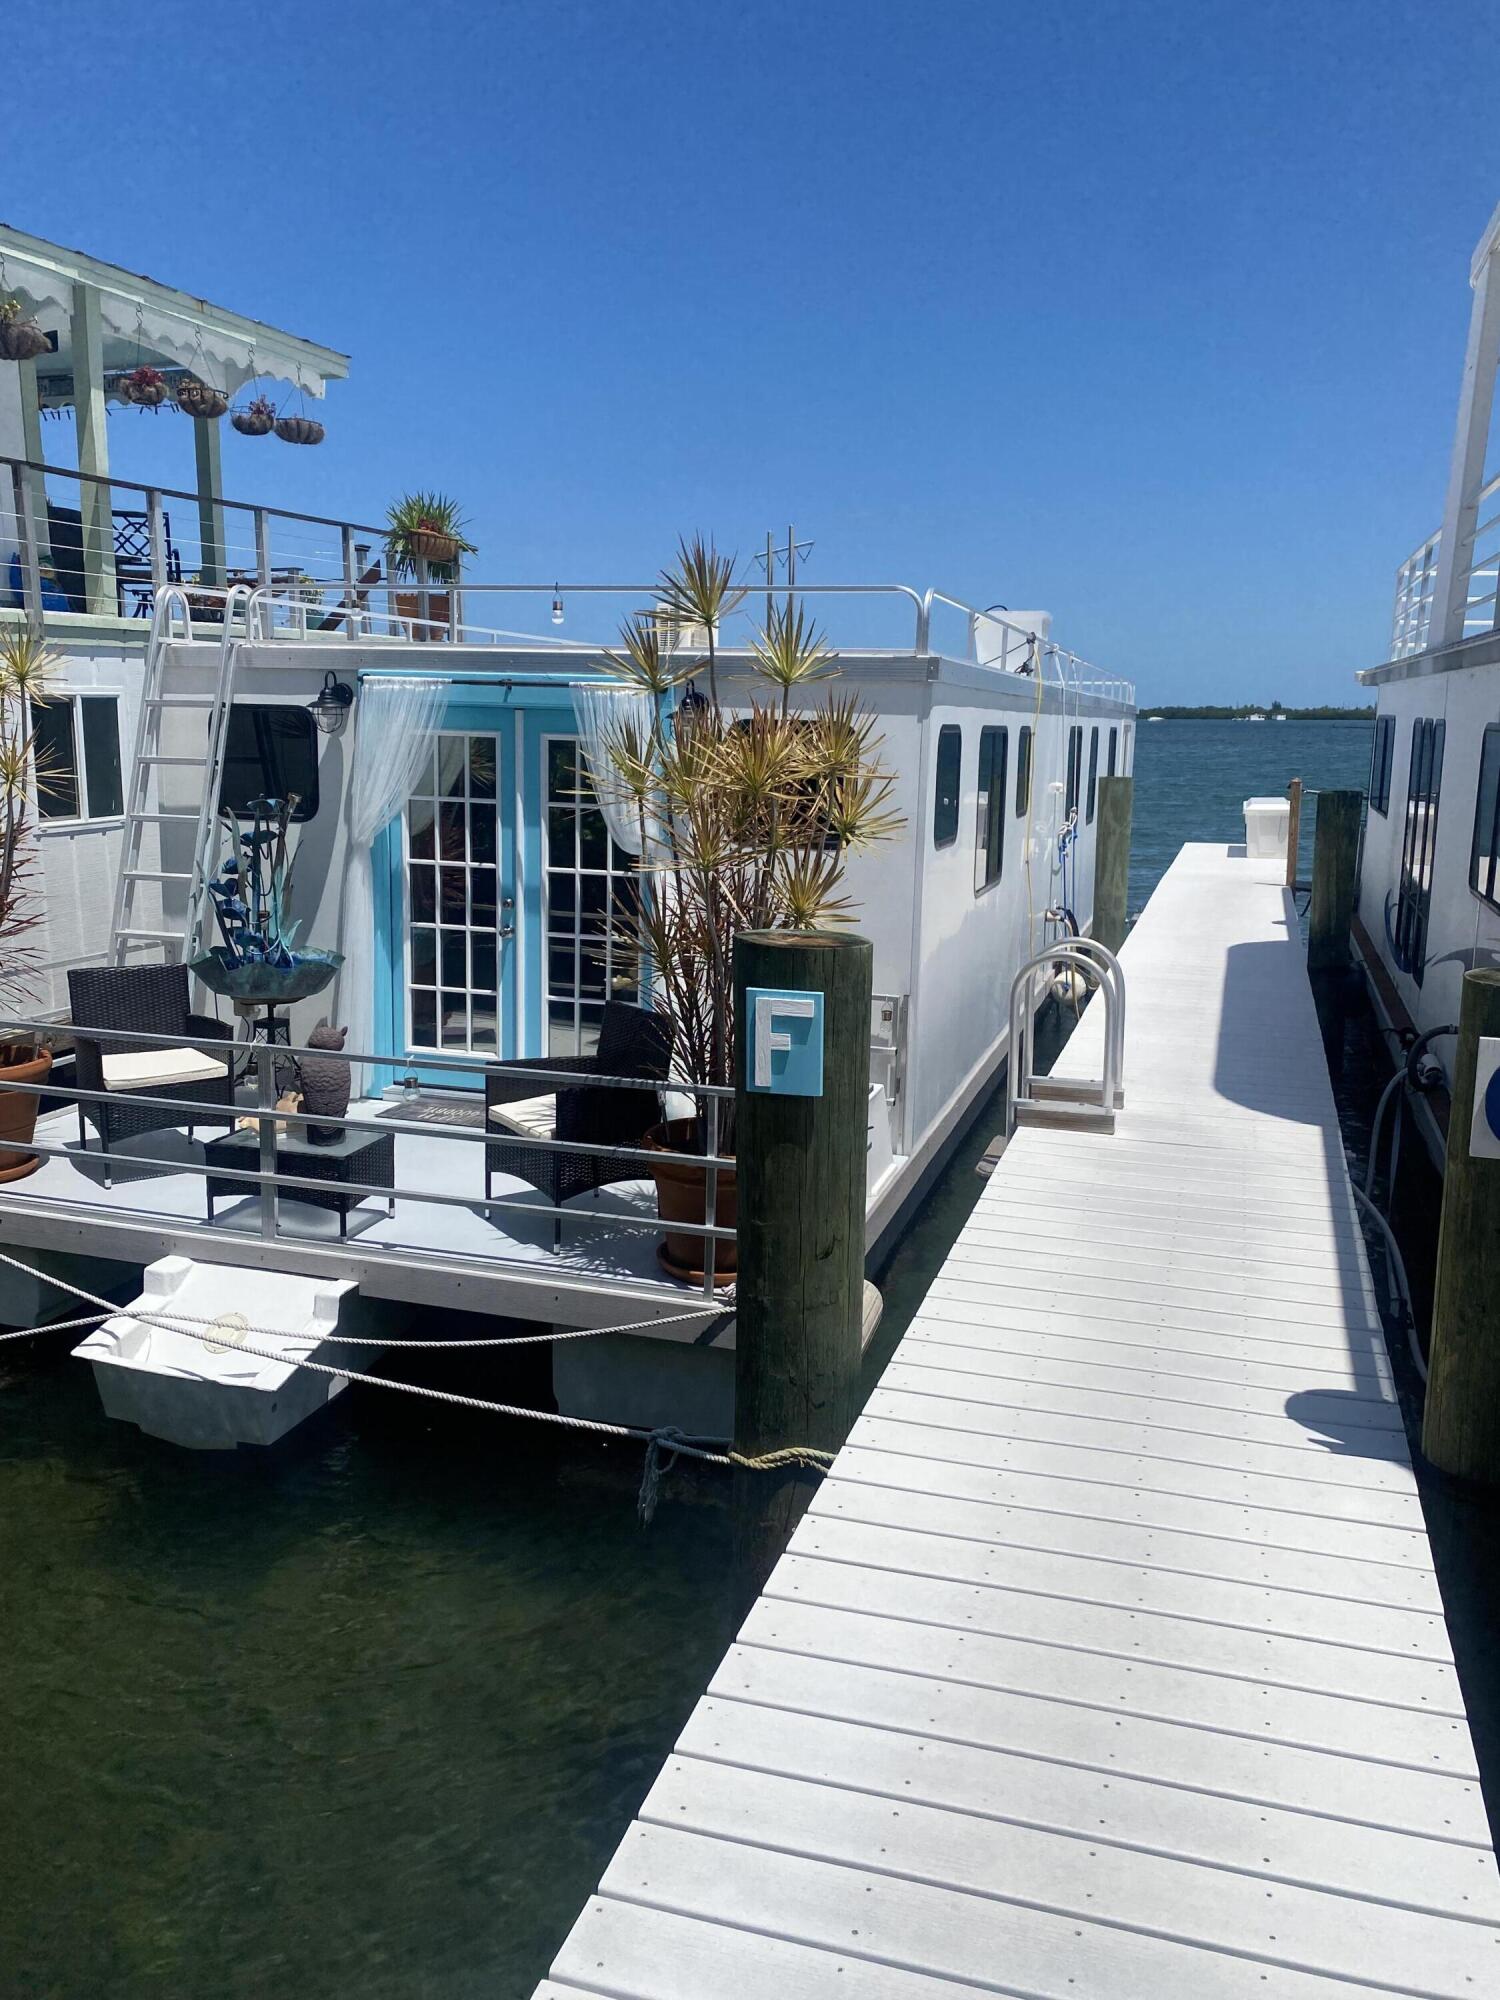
(1091,955)
(111,479)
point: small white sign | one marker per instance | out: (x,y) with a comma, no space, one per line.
(1484,1133)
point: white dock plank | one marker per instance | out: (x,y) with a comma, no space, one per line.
(1109,1660)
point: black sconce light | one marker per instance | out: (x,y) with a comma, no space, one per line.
(331,705)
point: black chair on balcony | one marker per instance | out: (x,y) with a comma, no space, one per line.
(632,1042)
(147,1000)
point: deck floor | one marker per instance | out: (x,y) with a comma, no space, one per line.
(1109,1660)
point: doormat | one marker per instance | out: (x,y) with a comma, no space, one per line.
(427,1111)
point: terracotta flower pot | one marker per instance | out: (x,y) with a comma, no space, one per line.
(18,1115)
(682,1196)
(430,623)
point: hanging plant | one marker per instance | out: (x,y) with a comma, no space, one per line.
(426,528)
(257,419)
(146,387)
(21,339)
(299,430)
(200,399)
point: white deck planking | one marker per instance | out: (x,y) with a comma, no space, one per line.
(1109,1660)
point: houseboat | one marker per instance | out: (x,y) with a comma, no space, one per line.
(449,856)
(1429,890)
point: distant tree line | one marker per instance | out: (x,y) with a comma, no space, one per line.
(1207,712)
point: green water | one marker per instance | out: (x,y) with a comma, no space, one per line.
(365,1716)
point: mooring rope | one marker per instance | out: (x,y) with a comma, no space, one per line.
(666,1438)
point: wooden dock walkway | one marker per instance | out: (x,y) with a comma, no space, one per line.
(1109,1660)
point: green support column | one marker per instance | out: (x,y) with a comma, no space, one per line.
(1335,847)
(93,452)
(207,452)
(800,1167)
(1112,860)
(1461,1421)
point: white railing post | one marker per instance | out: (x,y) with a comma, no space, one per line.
(262,548)
(351,583)
(31,569)
(156,537)
(265,1099)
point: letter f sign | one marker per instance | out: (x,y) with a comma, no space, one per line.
(786,1042)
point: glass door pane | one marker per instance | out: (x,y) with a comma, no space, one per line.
(589,885)
(454,951)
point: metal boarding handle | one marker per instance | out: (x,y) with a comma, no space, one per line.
(1022,1015)
(1112,970)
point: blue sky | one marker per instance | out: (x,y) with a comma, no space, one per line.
(1150,314)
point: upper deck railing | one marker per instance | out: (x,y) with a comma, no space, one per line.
(313,579)
(1478,575)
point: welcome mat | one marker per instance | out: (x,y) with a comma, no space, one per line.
(427,1111)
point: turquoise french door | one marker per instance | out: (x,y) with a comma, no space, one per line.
(458,909)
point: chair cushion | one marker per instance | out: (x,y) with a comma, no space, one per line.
(160,1069)
(531,1117)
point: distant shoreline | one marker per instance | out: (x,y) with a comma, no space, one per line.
(1177,713)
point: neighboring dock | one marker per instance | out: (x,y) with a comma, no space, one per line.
(1109,1659)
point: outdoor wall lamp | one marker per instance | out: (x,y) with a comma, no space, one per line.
(331,705)
(557,605)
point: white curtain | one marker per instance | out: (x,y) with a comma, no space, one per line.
(396,721)
(600,712)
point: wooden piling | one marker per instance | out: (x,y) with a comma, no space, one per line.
(1335,847)
(1293,830)
(1461,1423)
(1112,860)
(800,1166)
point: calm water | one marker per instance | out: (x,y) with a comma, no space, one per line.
(365,1716)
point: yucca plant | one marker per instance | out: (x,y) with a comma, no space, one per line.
(748,814)
(26,669)
(426,527)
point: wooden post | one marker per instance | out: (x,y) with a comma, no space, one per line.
(1335,845)
(1293,830)
(1112,860)
(1461,1423)
(800,1168)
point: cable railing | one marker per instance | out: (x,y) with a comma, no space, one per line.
(253,1100)
(1416,582)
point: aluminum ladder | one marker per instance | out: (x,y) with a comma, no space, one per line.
(143,804)
(1084,1104)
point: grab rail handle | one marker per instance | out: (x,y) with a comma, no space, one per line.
(1092,956)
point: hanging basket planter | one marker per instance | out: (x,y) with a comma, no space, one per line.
(200,399)
(257,419)
(299,430)
(145,387)
(21,339)
(434,547)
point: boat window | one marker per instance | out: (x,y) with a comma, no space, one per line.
(1093,774)
(70,785)
(270,752)
(1419,845)
(592,894)
(1075,770)
(1023,772)
(1114,747)
(1484,859)
(989,819)
(1381,751)
(949,772)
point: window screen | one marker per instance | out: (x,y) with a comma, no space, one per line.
(1418,847)
(1075,769)
(989,828)
(1114,747)
(1093,774)
(101,754)
(1381,748)
(58,795)
(270,752)
(949,772)
(1484,859)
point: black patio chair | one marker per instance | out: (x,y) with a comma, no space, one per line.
(145,1000)
(632,1042)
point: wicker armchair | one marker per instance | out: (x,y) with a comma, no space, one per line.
(146,1000)
(632,1042)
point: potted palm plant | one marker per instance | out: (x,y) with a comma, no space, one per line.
(747,816)
(25,669)
(426,528)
